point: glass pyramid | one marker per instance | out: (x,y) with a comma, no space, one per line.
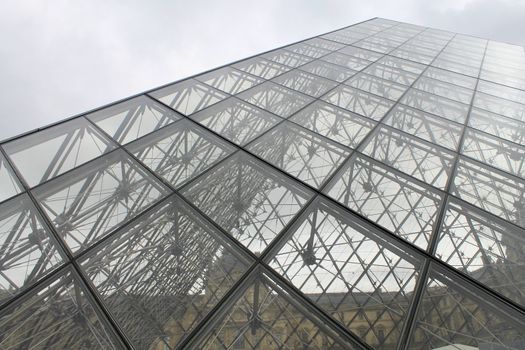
(362,189)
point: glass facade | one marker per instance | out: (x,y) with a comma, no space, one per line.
(362,189)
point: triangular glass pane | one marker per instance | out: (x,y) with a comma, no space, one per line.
(9,184)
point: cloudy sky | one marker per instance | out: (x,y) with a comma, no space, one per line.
(59,58)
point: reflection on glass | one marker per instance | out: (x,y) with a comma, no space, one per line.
(248,199)
(160,276)
(306,83)
(351,271)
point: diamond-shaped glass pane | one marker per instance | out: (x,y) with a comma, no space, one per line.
(236,120)
(229,80)
(189,96)
(350,270)
(85,204)
(261,67)
(328,70)
(497,125)
(276,99)
(305,82)
(359,102)
(28,250)
(404,207)
(335,123)
(437,105)
(424,161)
(130,120)
(300,153)
(248,199)
(56,316)
(426,126)
(44,155)
(161,275)
(377,86)
(180,151)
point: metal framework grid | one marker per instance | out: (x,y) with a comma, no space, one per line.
(362,189)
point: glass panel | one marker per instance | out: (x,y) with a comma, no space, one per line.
(496,192)
(412,55)
(236,120)
(85,204)
(335,123)
(426,126)
(324,44)
(444,89)
(421,160)
(500,106)
(361,53)
(345,37)
(276,99)
(161,275)
(328,70)
(56,316)
(248,199)
(399,63)
(456,67)
(395,75)
(307,50)
(402,206)
(450,77)
(502,91)
(266,317)
(261,67)
(229,80)
(437,105)
(306,83)
(180,152)
(287,58)
(488,249)
(9,185)
(495,152)
(350,270)
(188,96)
(28,251)
(346,61)
(497,125)
(300,153)
(377,86)
(132,119)
(359,102)
(454,316)
(46,154)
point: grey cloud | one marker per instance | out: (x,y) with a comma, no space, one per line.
(60,58)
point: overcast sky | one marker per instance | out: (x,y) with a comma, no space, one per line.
(59,58)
